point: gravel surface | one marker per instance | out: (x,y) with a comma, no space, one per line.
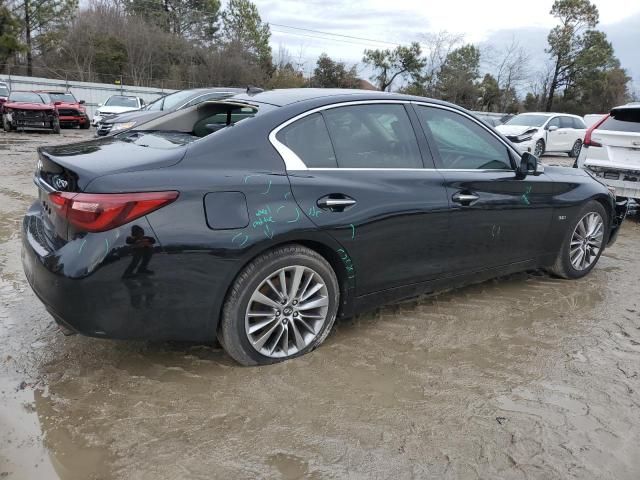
(522,377)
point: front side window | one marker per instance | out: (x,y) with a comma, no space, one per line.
(373,136)
(554,122)
(309,140)
(461,143)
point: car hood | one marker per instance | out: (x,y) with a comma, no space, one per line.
(111,110)
(138,116)
(514,129)
(28,106)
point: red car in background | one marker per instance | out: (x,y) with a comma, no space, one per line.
(71,112)
(30,111)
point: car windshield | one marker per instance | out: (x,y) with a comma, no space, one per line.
(28,97)
(62,97)
(121,101)
(528,120)
(4,91)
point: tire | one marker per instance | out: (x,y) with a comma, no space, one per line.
(563,266)
(5,124)
(55,125)
(234,333)
(540,146)
(575,151)
(86,125)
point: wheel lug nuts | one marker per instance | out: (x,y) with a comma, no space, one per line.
(295,314)
(277,312)
(295,302)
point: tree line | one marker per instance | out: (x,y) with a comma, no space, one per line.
(186,43)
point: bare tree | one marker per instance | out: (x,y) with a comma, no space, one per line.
(437,47)
(510,67)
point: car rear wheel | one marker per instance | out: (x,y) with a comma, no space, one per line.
(539,148)
(282,305)
(584,242)
(575,151)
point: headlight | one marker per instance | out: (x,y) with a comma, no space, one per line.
(122,126)
(98,113)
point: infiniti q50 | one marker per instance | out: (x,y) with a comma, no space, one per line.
(261,218)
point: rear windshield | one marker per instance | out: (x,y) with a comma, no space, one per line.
(118,101)
(623,120)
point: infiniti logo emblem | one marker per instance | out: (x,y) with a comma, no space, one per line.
(60,183)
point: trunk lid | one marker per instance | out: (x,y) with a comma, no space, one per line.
(71,168)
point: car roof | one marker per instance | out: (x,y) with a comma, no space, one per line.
(288,96)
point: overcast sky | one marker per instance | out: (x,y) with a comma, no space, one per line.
(494,22)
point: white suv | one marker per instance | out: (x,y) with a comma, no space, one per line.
(612,150)
(545,132)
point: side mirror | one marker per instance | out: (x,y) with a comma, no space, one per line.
(82,102)
(99,105)
(552,128)
(528,164)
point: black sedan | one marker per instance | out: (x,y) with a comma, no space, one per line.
(169,103)
(262,218)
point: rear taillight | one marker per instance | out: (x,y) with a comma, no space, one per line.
(97,212)
(587,138)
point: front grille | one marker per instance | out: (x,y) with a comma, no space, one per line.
(68,112)
(31,115)
(104,129)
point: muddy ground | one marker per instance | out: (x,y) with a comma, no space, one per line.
(522,377)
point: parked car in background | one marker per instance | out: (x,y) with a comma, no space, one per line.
(71,112)
(116,104)
(30,111)
(545,132)
(162,106)
(612,150)
(261,218)
(4,94)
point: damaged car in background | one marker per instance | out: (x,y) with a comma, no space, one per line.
(545,132)
(260,219)
(30,111)
(115,105)
(71,112)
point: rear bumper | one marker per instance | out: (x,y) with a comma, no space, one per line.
(88,286)
(625,181)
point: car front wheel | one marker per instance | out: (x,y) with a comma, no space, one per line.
(583,243)
(539,148)
(282,305)
(6,124)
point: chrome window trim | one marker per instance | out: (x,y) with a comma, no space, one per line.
(294,163)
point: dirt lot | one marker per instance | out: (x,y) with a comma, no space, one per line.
(522,377)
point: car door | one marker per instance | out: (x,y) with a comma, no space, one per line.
(496,218)
(555,139)
(568,133)
(360,177)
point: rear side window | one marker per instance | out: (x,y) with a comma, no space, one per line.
(623,120)
(373,136)
(566,122)
(462,143)
(579,124)
(309,140)
(554,122)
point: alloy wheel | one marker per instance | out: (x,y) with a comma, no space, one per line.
(586,241)
(287,311)
(539,148)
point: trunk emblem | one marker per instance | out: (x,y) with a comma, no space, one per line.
(60,183)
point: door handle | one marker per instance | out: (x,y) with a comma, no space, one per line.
(335,203)
(464,198)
